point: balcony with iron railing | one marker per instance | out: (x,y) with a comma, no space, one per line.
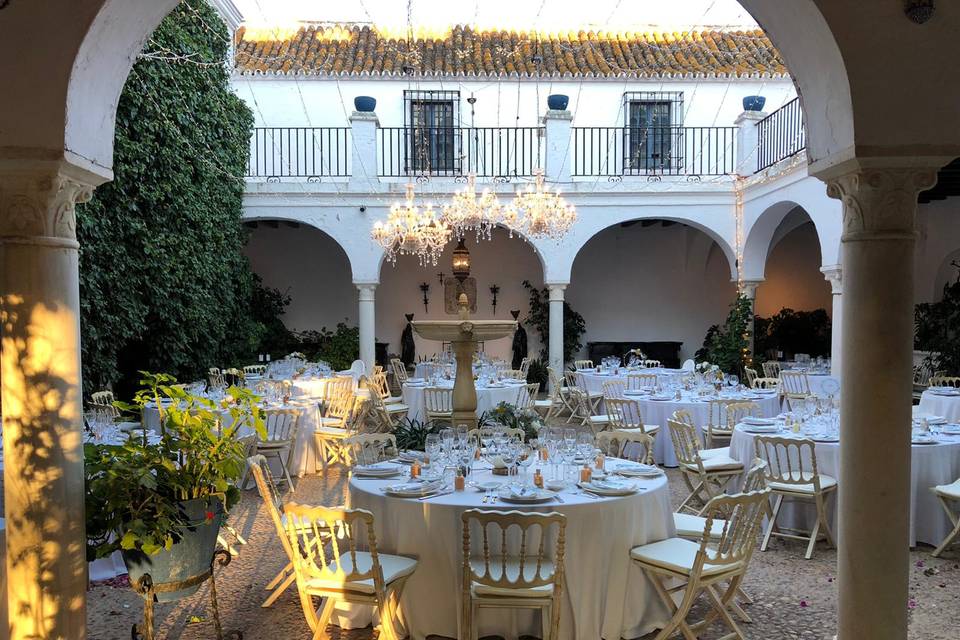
(370,152)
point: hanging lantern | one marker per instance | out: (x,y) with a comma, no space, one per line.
(461,262)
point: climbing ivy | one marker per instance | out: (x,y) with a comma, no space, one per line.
(164,283)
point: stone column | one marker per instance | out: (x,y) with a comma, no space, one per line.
(556,326)
(879,211)
(834,275)
(557,145)
(364,171)
(748,141)
(42,444)
(367,324)
(749,290)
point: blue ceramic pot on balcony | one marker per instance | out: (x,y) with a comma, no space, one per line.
(365,104)
(558,102)
(753,103)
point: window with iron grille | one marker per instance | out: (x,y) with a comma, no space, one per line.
(653,131)
(432,121)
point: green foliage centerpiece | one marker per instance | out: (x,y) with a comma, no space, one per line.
(161,502)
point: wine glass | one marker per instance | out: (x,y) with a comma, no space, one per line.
(432,447)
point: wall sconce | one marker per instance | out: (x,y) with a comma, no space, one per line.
(494,290)
(425,288)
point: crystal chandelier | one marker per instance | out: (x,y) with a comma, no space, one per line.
(410,231)
(542,214)
(468,212)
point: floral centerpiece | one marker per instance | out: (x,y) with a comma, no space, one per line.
(161,501)
(509,415)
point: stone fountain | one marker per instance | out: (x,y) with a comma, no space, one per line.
(464,334)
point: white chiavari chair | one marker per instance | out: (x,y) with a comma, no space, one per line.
(281,433)
(704,477)
(945,381)
(438,404)
(369,448)
(794,387)
(527,395)
(784,473)
(627,444)
(712,566)
(554,404)
(588,404)
(384,417)
(215,378)
(378,383)
(947,493)
(530,578)
(613,388)
(771,369)
(636,381)
(559,382)
(399,372)
(750,375)
(254,370)
(625,413)
(512,374)
(328,564)
(337,423)
(580,365)
(525,367)
(482,433)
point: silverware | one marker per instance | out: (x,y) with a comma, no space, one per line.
(589,495)
(435,495)
(558,498)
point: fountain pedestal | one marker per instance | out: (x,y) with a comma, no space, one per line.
(463,334)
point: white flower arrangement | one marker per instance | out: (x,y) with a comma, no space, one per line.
(703,367)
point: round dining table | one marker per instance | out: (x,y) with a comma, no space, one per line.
(605,595)
(943,402)
(931,465)
(488,396)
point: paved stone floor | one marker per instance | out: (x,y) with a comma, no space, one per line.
(794,598)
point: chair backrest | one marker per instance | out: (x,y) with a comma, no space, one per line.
(486,432)
(945,381)
(771,369)
(737,411)
(614,388)
(527,395)
(624,413)
(751,375)
(372,447)
(357,369)
(399,370)
(377,368)
(378,384)
(686,442)
(786,458)
(614,443)
(333,558)
(280,424)
(507,567)
(270,494)
(717,421)
(337,394)
(756,479)
(556,384)
(215,378)
(766,383)
(583,364)
(525,367)
(513,374)
(795,383)
(102,404)
(741,514)
(438,400)
(572,379)
(254,369)
(651,364)
(641,380)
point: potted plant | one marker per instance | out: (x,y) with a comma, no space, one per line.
(161,501)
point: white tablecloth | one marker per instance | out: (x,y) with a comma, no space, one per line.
(940,405)
(819,380)
(593,381)
(487,398)
(606,595)
(931,465)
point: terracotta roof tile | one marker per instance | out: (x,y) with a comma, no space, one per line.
(463,51)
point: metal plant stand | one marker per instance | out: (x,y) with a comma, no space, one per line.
(148,590)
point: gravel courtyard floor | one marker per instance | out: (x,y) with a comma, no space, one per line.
(794,598)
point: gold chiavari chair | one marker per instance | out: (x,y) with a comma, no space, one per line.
(947,493)
(529,578)
(712,566)
(554,404)
(525,367)
(384,417)
(704,477)
(378,382)
(399,372)
(945,381)
(368,448)
(588,404)
(340,417)
(794,387)
(215,378)
(636,381)
(254,370)
(281,433)
(627,444)
(101,402)
(582,364)
(613,388)
(625,414)
(527,395)
(788,480)
(328,564)
(438,404)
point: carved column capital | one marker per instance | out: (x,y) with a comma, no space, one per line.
(834,275)
(39,207)
(880,202)
(749,288)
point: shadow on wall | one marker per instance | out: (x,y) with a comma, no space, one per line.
(42,444)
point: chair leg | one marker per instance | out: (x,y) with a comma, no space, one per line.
(720,605)
(678,621)
(286,472)
(822,517)
(278,591)
(235,534)
(326,610)
(772,523)
(953,534)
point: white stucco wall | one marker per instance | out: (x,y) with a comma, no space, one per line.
(938,242)
(793,278)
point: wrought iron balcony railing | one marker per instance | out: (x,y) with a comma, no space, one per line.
(780,135)
(299,152)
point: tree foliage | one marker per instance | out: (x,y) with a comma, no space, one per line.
(728,346)
(164,283)
(793,332)
(937,327)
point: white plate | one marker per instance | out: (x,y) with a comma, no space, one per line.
(486,486)
(924,441)
(825,438)
(378,470)
(759,422)
(637,470)
(412,489)
(950,429)
(607,488)
(635,392)
(662,398)
(411,456)
(531,496)
(759,428)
